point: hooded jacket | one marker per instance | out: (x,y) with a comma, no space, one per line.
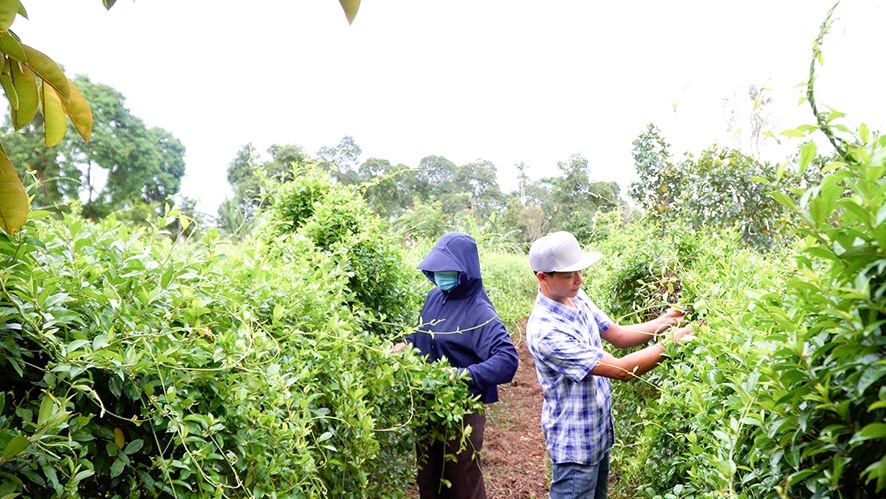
(462,324)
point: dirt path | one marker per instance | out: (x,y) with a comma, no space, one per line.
(516,463)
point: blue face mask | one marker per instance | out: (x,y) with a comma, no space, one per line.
(446,280)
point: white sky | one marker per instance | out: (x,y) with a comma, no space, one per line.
(507,81)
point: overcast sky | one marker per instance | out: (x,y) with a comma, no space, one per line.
(507,81)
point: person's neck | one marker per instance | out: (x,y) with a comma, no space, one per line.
(563,300)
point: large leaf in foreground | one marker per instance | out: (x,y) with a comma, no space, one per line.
(350,7)
(13,199)
(54,123)
(78,110)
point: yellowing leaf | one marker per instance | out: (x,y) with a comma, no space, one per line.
(8,10)
(54,122)
(48,70)
(25,84)
(13,199)
(119,439)
(350,7)
(78,110)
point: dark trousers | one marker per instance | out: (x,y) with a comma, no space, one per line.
(464,474)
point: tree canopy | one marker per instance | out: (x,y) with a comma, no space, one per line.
(126,164)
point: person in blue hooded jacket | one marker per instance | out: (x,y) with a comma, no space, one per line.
(470,335)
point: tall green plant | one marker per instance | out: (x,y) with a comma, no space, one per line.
(337,220)
(140,367)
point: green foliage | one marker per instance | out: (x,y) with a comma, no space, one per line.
(722,188)
(782,394)
(138,367)
(337,220)
(32,83)
(511,286)
(144,165)
(575,198)
(342,160)
(640,275)
(658,184)
(826,380)
(386,188)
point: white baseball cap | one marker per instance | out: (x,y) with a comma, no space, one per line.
(560,252)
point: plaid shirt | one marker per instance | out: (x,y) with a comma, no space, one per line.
(565,344)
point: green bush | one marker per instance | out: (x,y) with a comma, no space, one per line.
(381,290)
(143,367)
(782,393)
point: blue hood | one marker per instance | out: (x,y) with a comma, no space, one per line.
(462,324)
(457,252)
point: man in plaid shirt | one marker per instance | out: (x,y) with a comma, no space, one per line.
(564,336)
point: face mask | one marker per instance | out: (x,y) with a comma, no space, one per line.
(446,280)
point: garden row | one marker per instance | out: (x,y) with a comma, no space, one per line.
(140,366)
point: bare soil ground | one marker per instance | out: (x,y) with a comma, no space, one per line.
(515,462)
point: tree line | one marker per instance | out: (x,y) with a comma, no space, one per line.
(134,171)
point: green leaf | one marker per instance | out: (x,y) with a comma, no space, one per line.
(14,202)
(859,211)
(864,133)
(48,70)
(54,121)
(117,468)
(872,431)
(25,84)
(82,476)
(109,3)
(15,446)
(8,10)
(119,438)
(807,154)
(877,471)
(46,409)
(10,46)
(350,7)
(821,207)
(100,341)
(134,446)
(8,87)
(869,377)
(792,132)
(783,199)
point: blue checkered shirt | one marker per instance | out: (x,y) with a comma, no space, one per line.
(565,344)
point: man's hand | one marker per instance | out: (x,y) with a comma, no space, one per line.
(683,331)
(671,317)
(398,346)
(675,316)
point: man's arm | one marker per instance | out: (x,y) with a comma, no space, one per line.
(637,334)
(634,364)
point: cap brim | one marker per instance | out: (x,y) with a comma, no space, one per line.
(588,260)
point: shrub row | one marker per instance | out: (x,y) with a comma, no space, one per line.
(782,394)
(143,367)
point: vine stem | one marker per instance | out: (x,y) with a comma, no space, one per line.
(839,144)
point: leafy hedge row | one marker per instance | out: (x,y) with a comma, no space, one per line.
(138,366)
(783,393)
